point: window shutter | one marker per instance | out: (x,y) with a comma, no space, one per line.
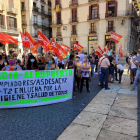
(60,17)
(11,5)
(15,21)
(76,15)
(89,12)
(7,22)
(107,8)
(55,2)
(97,10)
(116,5)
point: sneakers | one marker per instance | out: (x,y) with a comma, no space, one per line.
(131,83)
(117,80)
(132,89)
(107,88)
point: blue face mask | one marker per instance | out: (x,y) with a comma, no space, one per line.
(26,59)
(32,60)
(77,59)
(15,58)
(50,62)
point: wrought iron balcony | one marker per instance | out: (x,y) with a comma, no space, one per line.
(93,17)
(13,29)
(110,14)
(110,29)
(93,31)
(73,32)
(2,27)
(57,22)
(41,24)
(2,7)
(23,9)
(43,1)
(58,33)
(73,20)
(12,10)
(73,4)
(41,11)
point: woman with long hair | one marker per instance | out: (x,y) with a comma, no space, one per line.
(32,64)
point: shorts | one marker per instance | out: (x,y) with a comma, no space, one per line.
(133,72)
(111,71)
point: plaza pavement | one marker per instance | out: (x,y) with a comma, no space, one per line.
(111,115)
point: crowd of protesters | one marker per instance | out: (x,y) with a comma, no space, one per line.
(85,66)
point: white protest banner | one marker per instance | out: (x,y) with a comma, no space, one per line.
(35,88)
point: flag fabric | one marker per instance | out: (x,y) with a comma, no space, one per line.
(106,48)
(115,37)
(99,51)
(57,8)
(44,41)
(54,46)
(29,42)
(65,47)
(77,46)
(120,51)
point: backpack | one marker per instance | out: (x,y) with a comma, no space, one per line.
(127,59)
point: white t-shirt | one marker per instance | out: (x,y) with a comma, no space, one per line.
(133,66)
(120,67)
(81,57)
(85,73)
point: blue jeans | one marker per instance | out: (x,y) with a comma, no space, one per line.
(136,78)
(92,69)
(104,76)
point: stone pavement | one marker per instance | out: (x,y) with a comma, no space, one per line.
(111,115)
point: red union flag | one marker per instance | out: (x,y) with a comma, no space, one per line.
(99,51)
(54,46)
(106,48)
(65,47)
(44,41)
(115,37)
(77,46)
(120,51)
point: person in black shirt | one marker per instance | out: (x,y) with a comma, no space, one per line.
(111,68)
(3,62)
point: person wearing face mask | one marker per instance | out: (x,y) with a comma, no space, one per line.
(40,61)
(3,62)
(32,64)
(17,61)
(5,58)
(12,66)
(85,68)
(77,70)
(51,65)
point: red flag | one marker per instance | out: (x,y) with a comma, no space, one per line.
(65,47)
(44,41)
(115,37)
(99,51)
(120,51)
(54,46)
(29,42)
(77,46)
(106,48)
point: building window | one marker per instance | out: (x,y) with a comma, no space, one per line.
(58,31)
(42,21)
(42,9)
(23,18)
(11,22)
(34,4)
(58,17)
(110,26)
(111,9)
(43,31)
(74,15)
(22,6)
(94,12)
(11,5)
(35,32)
(35,19)
(93,27)
(0,19)
(74,29)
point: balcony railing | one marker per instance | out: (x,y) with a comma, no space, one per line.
(13,29)
(41,24)
(49,3)
(12,10)
(57,22)
(110,14)
(24,22)
(41,11)
(93,17)
(110,29)
(92,31)
(34,35)
(2,27)
(58,33)
(73,20)
(92,0)
(134,31)
(23,9)
(43,1)
(1,7)
(73,3)
(74,33)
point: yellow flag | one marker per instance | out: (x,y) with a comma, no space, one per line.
(57,8)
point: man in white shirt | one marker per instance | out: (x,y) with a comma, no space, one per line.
(81,55)
(133,66)
(120,71)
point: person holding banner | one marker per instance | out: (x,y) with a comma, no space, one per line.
(85,68)
(12,66)
(51,64)
(32,64)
